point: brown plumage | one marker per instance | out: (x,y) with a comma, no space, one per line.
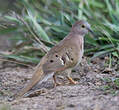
(64,56)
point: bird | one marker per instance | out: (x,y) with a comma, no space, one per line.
(64,56)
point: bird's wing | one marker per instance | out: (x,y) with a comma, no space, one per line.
(53,65)
(60,60)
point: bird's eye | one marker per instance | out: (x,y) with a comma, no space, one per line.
(83,26)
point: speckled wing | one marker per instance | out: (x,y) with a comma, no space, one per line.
(60,58)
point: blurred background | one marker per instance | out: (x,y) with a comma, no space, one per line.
(29,28)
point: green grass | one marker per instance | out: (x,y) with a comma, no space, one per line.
(111,85)
(39,25)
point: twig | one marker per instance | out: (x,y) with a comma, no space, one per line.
(16,62)
(42,46)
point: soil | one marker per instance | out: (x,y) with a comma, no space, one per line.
(88,94)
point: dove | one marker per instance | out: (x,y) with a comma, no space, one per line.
(64,56)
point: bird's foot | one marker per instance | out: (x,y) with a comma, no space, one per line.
(57,84)
(71,81)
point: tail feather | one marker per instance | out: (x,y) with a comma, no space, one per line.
(35,79)
(37,76)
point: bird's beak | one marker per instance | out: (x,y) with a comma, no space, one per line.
(90,30)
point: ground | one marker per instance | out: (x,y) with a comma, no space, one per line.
(88,94)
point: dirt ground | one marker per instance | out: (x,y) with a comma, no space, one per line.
(87,95)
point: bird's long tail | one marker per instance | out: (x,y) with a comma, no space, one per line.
(35,79)
(37,76)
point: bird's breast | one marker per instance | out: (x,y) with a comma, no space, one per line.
(80,48)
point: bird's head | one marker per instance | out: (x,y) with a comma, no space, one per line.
(81,27)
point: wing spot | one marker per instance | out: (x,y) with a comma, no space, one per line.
(72,59)
(56,55)
(51,61)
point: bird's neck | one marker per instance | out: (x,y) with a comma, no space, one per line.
(76,35)
(77,32)
(77,39)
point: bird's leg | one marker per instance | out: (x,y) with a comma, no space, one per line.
(71,80)
(69,77)
(55,82)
